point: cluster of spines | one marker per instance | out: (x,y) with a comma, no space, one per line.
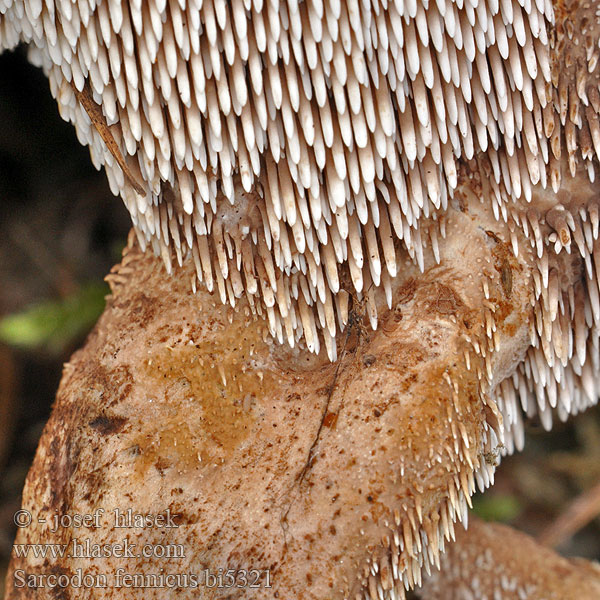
(344,121)
(413,542)
(560,369)
(559,374)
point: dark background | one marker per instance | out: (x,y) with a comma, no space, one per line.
(61,228)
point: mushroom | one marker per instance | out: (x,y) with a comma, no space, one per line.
(495,561)
(384,184)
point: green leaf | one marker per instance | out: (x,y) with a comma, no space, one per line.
(53,325)
(496,507)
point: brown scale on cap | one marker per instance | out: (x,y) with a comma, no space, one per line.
(332,166)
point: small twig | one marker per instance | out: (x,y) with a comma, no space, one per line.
(311,451)
(353,322)
(577,515)
(94,111)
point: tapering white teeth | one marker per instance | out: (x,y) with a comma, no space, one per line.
(318,109)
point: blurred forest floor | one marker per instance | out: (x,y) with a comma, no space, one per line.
(60,232)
